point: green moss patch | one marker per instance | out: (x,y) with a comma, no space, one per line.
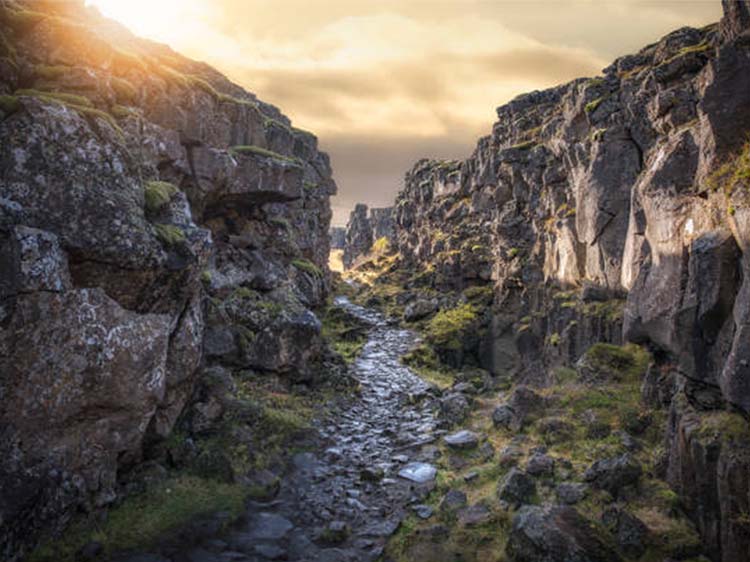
(425,362)
(594,105)
(733,173)
(725,426)
(140,520)
(263,152)
(170,235)
(51,72)
(449,328)
(124,91)
(157,194)
(620,363)
(307,266)
(345,333)
(9,104)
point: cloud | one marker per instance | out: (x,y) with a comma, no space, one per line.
(385,82)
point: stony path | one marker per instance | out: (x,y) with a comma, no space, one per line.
(341,503)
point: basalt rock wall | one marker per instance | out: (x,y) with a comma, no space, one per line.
(615,209)
(156,221)
(365,227)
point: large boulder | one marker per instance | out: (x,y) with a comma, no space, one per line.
(614,474)
(557,534)
(82,378)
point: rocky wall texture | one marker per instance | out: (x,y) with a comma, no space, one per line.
(365,227)
(156,221)
(615,209)
(338,237)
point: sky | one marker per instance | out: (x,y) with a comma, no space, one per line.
(385,83)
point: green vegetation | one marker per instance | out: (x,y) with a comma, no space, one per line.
(49,72)
(449,328)
(726,426)
(621,363)
(525,145)
(143,518)
(78,103)
(307,266)
(593,105)
(157,194)
(169,234)
(21,20)
(381,246)
(62,97)
(264,152)
(701,47)
(344,332)
(425,362)
(279,418)
(124,91)
(121,112)
(480,295)
(280,222)
(9,104)
(598,134)
(610,310)
(733,173)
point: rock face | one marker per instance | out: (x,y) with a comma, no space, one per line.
(338,237)
(615,209)
(157,222)
(556,534)
(364,229)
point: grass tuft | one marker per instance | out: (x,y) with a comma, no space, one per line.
(140,520)
(9,104)
(307,266)
(264,152)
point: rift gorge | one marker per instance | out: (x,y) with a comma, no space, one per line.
(540,353)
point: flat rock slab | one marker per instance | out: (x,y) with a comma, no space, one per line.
(270,527)
(419,472)
(463,439)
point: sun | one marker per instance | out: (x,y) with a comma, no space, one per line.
(156,19)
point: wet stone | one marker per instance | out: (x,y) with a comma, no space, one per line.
(462,440)
(270,551)
(423,511)
(418,472)
(270,526)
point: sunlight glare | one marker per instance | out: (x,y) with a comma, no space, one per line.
(159,20)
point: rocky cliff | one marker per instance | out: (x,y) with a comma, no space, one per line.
(338,237)
(615,209)
(160,229)
(365,227)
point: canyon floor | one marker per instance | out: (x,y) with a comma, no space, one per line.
(343,497)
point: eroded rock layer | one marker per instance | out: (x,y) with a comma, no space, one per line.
(157,222)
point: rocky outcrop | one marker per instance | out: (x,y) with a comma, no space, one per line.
(615,209)
(338,237)
(157,222)
(364,229)
(358,235)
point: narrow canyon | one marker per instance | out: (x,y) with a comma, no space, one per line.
(537,354)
